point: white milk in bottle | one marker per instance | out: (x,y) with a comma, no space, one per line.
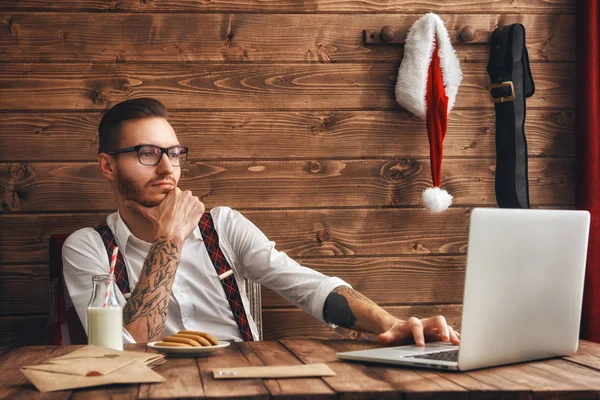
(104,315)
(105,327)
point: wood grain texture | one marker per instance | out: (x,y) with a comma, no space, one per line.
(404,380)
(25,289)
(290,135)
(295,323)
(541,377)
(227,357)
(413,383)
(92,37)
(315,351)
(41,86)
(182,381)
(546,379)
(299,233)
(316,6)
(37,239)
(274,354)
(391,280)
(14,385)
(584,378)
(121,392)
(478,390)
(17,358)
(23,330)
(587,355)
(42,187)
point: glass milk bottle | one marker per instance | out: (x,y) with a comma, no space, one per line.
(104,315)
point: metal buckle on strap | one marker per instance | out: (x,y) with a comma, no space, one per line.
(504,98)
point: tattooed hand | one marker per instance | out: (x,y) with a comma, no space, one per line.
(175,217)
(430,329)
(349,309)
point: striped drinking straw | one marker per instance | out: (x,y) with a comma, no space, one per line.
(111,274)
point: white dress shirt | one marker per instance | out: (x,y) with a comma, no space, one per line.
(198,301)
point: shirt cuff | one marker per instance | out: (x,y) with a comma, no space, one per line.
(324,289)
(127,338)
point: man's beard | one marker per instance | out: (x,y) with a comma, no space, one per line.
(130,189)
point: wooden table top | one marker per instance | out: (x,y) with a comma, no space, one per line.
(573,377)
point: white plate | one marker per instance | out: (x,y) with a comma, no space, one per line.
(188,351)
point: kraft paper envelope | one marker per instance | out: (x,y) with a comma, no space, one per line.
(93,366)
(90,351)
(289,371)
(82,366)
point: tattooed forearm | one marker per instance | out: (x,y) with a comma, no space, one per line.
(337,311)
(348,308)
(348,291)
(149,301)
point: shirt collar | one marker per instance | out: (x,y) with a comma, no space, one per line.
(121,230)
(196,233)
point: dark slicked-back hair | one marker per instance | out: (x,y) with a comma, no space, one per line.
(110,126)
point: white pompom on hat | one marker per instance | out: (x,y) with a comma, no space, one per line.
(428,80)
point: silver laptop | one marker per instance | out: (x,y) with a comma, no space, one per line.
(522,297)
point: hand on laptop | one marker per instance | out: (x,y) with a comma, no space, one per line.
(420,330)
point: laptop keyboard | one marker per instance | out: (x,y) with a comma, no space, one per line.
(451,355)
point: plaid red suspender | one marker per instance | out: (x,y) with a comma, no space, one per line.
(211,241)
(121,276)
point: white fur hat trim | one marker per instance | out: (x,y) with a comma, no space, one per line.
(411,86)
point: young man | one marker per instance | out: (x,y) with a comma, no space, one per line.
(173,283)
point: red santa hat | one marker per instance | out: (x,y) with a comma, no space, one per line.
(428,81)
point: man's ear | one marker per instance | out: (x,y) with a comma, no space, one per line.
(107,166)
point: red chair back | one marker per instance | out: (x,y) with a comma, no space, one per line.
(65,326)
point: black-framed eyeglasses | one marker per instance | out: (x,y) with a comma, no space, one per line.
(150,155)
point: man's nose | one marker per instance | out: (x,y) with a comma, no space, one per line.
(164,165)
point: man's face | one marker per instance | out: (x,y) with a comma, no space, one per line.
(145,184)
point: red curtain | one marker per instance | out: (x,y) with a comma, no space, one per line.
(588,155)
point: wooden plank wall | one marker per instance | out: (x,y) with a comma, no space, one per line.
(290,118)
